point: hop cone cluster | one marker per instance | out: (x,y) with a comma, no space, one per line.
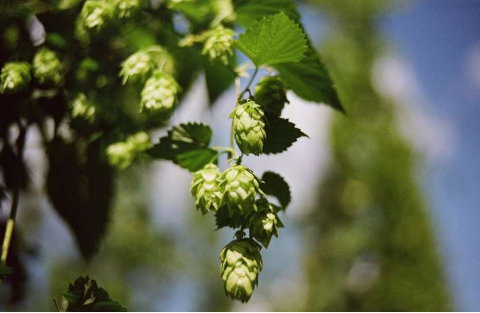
(122,154)
(249,127)
(271,95)
(15,76)
(137,67)
(95,14)
(47,68)
(219,45)
(204,188)
(241,263)
(264,223)
(82,108)
(159,96)
(239,187)
(126,8)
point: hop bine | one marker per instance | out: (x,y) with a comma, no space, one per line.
(271,95)
(47,68)
(264,223)
(204,188)
(239,187)
(249,127)
(241,264)
(160,95)
(15,76)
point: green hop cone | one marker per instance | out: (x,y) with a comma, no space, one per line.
(270,93)
(239,187)
(82,108)
(122,154)
(126,8)
(47,68)
(264,223)
(160,95)
(15,76)
(241,264)
(95,14)
(204,188)
(137,67)
(249,127)
(218,45)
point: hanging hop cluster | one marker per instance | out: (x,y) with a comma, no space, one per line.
(15,76)
(249,127)
(270,93)
(82,108)
(218,45)
(241,264)
(204,189)
(137,67)
(160,95)
(47,68)
(122,154)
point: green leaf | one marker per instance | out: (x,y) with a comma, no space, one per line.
(274,185)
(281,134)
(310,80)
(275,39)
(187,146)
(85,295)
(218,78)
(250,11)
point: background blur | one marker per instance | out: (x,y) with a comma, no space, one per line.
(385,201)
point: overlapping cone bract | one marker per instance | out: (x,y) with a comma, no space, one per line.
(47,68)
(82,108)
(249,127)
(204,187)
(264,223)
(137,67)
(15,76)
(160,95)
(125,8)
(271,95)
(239,187)
(219,44)
(241,264)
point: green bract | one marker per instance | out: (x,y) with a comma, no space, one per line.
(219,44)
(159,96)
(15,76)
(137,67)
(125,8)
(204,188)
(239,187)
(249,127)
(81,108)
(241,264)
(270,94)
(264,223)
(95,14)
(47,68)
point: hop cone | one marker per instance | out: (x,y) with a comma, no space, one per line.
(139,142)
(271,95)
(125,8)
(82,108)
(47,68)
(137,67)
(241,264)
(95,14)
(204,188)
(159,96)
(219,45)
(264,223)
(122,154)
(15,76)
(249,127)
(239,187)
